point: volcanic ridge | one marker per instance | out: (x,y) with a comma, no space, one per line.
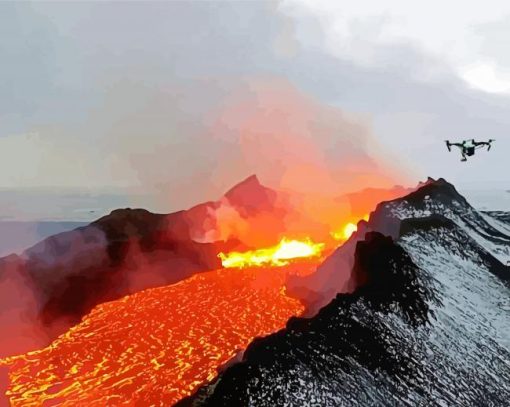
(413,309)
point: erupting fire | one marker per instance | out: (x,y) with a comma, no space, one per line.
(280,255)
(347,230)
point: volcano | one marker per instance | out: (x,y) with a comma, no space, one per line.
(49,287)
(411,309)
(427,324)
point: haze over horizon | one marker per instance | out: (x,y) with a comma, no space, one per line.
(150,98)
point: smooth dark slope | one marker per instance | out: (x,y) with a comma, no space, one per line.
(428,326)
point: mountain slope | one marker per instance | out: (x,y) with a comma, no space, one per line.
(51,285)
(434,198)
(429,324)
(441,198)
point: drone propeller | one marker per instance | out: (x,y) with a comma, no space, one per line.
(490,145)
(448,145)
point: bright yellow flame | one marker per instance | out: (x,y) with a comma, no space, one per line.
(278,255)
(347,230)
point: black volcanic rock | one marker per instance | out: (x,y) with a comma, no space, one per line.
(447,234)
(427,326)
(435,197)
(434,200)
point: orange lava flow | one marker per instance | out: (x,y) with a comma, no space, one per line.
(156,346)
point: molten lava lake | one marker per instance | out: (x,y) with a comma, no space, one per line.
(156,346)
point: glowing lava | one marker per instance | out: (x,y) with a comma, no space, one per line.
(347,230)
(157,346)
(278,255)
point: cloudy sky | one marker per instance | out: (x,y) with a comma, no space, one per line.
(183,99)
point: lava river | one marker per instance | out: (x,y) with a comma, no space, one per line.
(156,346)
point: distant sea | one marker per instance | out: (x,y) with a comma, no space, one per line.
(488,200)
(48,205)
(27,217)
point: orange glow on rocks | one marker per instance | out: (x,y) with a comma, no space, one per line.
(346,232)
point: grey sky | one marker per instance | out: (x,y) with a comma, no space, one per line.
(95,95)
